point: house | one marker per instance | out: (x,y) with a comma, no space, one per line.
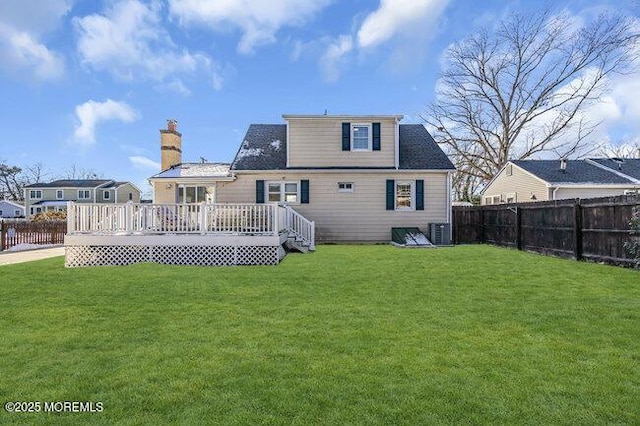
(542,180)
(11,209)
(355,177)
(42,197)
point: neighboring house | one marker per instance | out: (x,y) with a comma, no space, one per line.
(542,180)
(42,197)
(355,176)
(10,209)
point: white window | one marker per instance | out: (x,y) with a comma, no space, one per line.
(59,194)
(404,196)
(84,194)
(35,210)
(35,194)
(191,194)
(345,186)
(361,137)
(15,213)
(106,195)
(488,200)
(511,198)
(282,192)
(497,199)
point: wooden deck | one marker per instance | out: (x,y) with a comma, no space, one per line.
(183,234)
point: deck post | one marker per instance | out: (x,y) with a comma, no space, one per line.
(128,217)
(203,218)
(275,215)
(71,217)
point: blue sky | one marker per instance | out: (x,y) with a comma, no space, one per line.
(89,83)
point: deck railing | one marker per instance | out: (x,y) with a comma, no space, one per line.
(131,218)
(241,219)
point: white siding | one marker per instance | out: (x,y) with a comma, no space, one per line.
(360,215)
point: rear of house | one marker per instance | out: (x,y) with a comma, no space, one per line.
(355,176)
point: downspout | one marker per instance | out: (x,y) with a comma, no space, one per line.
(553,197)
(449,208)
(397,143)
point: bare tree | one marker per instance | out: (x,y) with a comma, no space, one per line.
(522,89)
(75,172)
(630,149)
(11,184)
(13,179)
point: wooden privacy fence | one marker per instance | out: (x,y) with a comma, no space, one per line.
(593,229)
(46,232)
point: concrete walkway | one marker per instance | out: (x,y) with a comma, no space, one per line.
(9,258)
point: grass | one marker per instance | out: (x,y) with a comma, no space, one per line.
(347,335)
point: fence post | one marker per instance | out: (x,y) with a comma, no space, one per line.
(518,228)
(3,234)
(577,230)
(482,235)
(128,208)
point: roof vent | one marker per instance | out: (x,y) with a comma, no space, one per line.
(618,161)
(563,165)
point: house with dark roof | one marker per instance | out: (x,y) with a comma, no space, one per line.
(355,176)
(541,180)
(54,195)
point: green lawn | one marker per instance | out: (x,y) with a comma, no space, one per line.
(347,335)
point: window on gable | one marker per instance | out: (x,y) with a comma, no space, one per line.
(404,196)
(15,213)
(361,137)
(282,192)
(106,195)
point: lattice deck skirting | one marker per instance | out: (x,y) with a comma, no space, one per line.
(77,256)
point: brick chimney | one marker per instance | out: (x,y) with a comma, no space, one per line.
(170,145)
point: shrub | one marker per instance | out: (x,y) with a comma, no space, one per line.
(50,215)
(633,245)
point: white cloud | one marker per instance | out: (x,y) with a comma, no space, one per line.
(333,57)
(406,18)
(91,113)
(129,41)
(144,163)
(21,52)
(22,24)
(258,20)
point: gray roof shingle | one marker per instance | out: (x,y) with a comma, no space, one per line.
(577,171)
(418,150)
(627,166)
(71,183)
(265,148)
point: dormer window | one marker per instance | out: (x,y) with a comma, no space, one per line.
(361,137)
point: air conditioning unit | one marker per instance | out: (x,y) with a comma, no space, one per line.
(440,233)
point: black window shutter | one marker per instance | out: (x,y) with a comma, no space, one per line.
(304,191)
(376,136)
(346,136)
(390,194)
(259,191)
(419,194)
